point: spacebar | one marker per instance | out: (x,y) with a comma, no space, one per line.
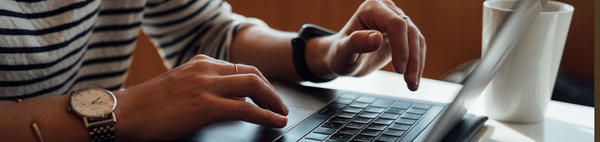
(303,128)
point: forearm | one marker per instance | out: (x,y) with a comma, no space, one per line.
(49,113)
(54,121)
(271,51)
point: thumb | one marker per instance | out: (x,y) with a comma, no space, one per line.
(362,41)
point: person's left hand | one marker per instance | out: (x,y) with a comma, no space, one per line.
(379,32)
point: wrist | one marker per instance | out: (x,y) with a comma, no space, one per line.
(317,56)
(123,129)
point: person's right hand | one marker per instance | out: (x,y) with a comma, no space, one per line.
(199,92)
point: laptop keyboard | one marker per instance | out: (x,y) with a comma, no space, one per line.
(367,118)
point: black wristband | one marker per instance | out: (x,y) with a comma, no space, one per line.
(299,51)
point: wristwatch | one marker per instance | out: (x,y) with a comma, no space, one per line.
(298,51)
(96,106)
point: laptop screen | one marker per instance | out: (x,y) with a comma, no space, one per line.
(500,47)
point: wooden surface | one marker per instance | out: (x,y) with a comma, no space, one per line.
(452,30)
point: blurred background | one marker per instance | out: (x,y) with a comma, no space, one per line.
(452,30)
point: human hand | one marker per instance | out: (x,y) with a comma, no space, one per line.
(379,32)
(197,93)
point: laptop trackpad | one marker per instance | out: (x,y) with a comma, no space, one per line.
(241,131)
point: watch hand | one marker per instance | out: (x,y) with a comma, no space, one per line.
(94,102)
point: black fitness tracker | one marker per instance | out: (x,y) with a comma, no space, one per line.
(299,50)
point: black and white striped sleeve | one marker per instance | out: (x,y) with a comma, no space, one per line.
(182,29)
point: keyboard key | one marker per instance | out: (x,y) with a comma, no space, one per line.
(411,116)
(332,140)
(343,101)
(359,105)
(383,121)
(352,109)
(387,138)
(362,120)
(405,121)
(379,127)
(368,114)
(328,112)
(332,109)
(382,103)
(395,111)
(403,127)
(336,106)
(356,125)
(332,125)
(349,96)
(346,115)
(389,116)
(401,104)
(341,137)
(316,136)
(374,109)
(308,140)
(340,120)
(365,99)
(363,138)
(349,131)
(422,106)
(414,110)
(323,130)
(393,132)
(370,132)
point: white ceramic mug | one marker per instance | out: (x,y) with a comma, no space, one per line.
(522,87)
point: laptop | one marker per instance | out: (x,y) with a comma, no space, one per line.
(338,116)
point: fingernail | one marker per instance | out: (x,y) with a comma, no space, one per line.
(282,121)
(372,39)
(412,87)
(285,110)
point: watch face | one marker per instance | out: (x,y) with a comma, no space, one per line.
(94,102)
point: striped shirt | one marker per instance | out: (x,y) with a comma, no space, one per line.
(55,46)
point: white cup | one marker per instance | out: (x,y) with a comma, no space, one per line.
(522,87)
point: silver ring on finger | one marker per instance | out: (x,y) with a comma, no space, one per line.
(235,68)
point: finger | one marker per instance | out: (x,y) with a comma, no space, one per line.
(378,16)
(245,69)
(412,71)
(400,46)
(225,68)
(399,60)
(238,98)
(240,110)
(423,55)
(203,62)
(250,85)
(391,5)
(351,47)
(362,41)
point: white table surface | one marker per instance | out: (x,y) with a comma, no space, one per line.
(563,121)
